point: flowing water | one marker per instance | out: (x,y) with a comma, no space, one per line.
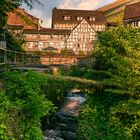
(63,124)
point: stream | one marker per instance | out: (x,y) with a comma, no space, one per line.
(63,123)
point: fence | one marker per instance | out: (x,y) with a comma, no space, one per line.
(9,57)
(14,58)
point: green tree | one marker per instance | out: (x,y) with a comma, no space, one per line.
(114,112)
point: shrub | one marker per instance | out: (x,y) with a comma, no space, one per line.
(23,104)
(113,112)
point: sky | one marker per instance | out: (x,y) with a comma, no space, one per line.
(44,11)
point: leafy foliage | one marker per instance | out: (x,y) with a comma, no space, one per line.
(28,97)
(13,43)
(113,112)
(56,88)
(22,105)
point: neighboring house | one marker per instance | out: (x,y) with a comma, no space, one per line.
(20,17)
(114,11)
(132,14)
(19,20)
(84,25)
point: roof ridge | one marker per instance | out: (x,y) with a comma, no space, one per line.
(74,9)
(113,4)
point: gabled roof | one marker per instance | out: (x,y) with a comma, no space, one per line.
(85,19)
(46,31)
(20,17)
(58,16)
(132,11)
(114,4)
(78,25)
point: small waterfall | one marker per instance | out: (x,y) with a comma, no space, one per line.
(63,124)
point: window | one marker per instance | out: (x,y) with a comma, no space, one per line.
(79,18)
(30,45)
(67,18)
(136,24)
(91,18)
(78,45)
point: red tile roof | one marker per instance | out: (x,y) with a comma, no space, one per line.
(114,4)
(132,11)
(58,16)
(20,17)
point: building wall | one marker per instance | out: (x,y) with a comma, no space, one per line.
(64,26)
(80,39)
(37,42)
(136,24)
(116,17)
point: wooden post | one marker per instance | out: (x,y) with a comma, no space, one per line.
(22,61)
(34,61)
(5,56)
(15,57)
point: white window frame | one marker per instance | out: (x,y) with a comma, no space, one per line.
(136,24)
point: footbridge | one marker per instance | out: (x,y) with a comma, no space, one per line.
(36,61)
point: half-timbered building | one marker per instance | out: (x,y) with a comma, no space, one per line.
(83,24)
(74,30)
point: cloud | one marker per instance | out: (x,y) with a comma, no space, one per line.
(80,4)
(40,14)
(47,23)
(36,12)
(45,12)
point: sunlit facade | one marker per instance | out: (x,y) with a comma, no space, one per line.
(74,30)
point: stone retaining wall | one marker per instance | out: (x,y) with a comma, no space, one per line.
(45,60)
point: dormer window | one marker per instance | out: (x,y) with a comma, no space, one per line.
(67,18)
(91,18)
(79,18)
